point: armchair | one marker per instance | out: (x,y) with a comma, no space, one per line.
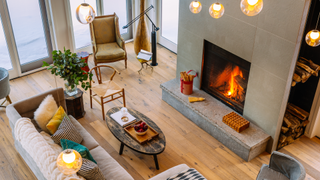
(108,45)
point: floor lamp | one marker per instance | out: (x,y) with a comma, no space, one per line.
(153,34)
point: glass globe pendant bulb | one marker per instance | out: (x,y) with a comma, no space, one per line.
(313,38)
(195,7)
(251,7)
(216,10)
(85,13)
(69,161)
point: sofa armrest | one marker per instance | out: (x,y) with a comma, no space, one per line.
(170,172)
(26,107)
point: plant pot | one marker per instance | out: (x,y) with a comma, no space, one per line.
(69,90)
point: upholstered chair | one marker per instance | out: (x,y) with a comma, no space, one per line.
(108,46)
(4,86)
(282,167)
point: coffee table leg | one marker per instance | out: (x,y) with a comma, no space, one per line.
(156,161)
(121,148)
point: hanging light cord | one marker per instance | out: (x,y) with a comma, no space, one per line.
(317,21)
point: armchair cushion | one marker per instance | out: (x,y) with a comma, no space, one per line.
(104,30)
(269,174)
(110,51)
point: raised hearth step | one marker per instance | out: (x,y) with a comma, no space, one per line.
(208,115)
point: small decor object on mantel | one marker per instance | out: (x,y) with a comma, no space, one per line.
(186,81)
(68,66)
(195,99)
(236,122)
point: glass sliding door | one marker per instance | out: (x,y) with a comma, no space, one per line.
(169,19)
(123,9)
(5,61)
(31,32)
(81,32)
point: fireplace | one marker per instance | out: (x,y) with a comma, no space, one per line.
(224,76)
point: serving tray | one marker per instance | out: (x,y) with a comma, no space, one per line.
(151,133)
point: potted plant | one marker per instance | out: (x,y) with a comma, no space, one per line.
(68,66)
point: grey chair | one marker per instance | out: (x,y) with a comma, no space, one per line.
(282,167)
(4,86)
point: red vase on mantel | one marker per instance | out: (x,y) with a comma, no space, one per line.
(142,39)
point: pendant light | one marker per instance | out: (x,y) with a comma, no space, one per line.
(195,7)
(85,13)
(313,36)
(69,161)
(251,7)
(216,10)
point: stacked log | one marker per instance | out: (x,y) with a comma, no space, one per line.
(304,69)
(294,123)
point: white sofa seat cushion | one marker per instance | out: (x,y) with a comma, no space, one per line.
(110,168)
(171,172)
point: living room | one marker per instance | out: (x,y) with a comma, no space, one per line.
(271,84)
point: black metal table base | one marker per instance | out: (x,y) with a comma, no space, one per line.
(154,156)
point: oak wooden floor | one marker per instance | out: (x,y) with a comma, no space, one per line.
(186,143)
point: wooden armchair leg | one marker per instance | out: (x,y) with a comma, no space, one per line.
(102,109)
(125,61)
(90,98)
(124,98)
(8,99)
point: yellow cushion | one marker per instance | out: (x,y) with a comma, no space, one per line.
(110,51)
(56,120)
(104,30)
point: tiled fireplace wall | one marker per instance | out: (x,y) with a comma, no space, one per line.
(270,41)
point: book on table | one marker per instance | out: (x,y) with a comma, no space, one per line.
(144,55)
(117,117)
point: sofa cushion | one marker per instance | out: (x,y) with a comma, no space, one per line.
(82,150)
(56,120)
(90,170)
(170,172)
(189,174)
(88,140)
(68,131)
(45,112)
(110,168)
(267,173)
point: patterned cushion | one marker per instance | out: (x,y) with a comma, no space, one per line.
(190,174)
(104,30)
(110,51)
(90,171)
(82,150)
(67,130)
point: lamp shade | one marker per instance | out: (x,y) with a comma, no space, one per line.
(251,7)
(85,13)
(195,7)
(313,38)
(69,161)
(216,10)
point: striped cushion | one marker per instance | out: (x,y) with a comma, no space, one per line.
(90,170)
(68,131)
(190,174)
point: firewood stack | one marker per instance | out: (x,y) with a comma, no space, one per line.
(294,123)
(304,69)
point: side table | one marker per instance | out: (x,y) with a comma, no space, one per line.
(75,104)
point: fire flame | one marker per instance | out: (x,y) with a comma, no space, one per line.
(236,71)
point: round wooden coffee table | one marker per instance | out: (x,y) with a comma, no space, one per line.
(153,147)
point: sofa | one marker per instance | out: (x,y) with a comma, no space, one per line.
(110,168)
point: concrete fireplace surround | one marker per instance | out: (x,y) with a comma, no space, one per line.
(270,41)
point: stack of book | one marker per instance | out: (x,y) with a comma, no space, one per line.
(144,55)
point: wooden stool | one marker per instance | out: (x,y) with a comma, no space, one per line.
(74,104)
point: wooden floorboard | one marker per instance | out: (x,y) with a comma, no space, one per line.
(186,142)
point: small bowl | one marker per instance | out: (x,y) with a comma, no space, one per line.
(141,133)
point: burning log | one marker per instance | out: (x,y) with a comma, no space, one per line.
(309,63)
(241,82)
(298,112)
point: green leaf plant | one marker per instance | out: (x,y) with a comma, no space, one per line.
(68,66)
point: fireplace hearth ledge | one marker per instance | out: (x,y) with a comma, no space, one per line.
(208,116)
